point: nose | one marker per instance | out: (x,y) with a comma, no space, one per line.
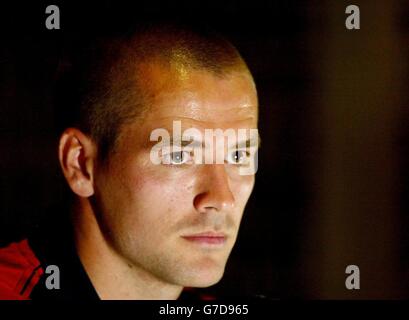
(215,194)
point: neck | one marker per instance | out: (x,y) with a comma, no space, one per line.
(112,275)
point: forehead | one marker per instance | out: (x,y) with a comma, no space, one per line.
(197,97)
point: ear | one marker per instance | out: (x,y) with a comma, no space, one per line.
(77,155)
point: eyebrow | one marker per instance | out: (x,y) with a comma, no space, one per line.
(196,143)
(184,143)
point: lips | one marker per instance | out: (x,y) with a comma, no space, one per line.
(207,238)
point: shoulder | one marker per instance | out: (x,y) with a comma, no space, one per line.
(20,271)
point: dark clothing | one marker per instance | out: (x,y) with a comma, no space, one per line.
(23,267)
(50,244)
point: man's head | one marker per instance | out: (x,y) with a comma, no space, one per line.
(176,221)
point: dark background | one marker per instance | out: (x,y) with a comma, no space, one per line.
(332,186)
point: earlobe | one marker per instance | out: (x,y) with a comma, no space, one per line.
(76,154)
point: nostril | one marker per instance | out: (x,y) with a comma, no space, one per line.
(216,201)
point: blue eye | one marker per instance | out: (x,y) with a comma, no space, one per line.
(238,157)
(177,157)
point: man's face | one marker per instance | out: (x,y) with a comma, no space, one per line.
(178,222)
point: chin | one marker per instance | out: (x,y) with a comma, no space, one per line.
(204,283)
(203,278)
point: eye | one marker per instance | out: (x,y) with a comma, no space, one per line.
(177,157)
(238,157)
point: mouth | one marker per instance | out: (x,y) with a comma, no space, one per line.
(212,239)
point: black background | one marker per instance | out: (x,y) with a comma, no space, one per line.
(331,188)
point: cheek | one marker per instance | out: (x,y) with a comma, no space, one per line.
(242,189)
(162,190)
(157,199)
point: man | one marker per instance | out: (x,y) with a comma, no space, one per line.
(144,229)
